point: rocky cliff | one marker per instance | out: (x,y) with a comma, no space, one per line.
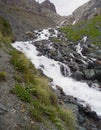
(84,12)
(48,5)
(31,5)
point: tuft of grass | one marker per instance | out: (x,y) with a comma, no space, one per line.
(90,28)
(6,35)
(42,91)
(22,93)
(20,62)
(2,75)
(67,116)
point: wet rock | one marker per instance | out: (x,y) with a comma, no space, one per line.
(64,70)
(60,90)
(89,74)
(81,119)
(97,64)
(98,75)
(78,75)
(90,65)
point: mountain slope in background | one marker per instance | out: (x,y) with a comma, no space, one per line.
(84,12)
(27,15)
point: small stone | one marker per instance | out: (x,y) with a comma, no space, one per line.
(2,109)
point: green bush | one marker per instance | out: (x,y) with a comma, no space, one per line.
(3,75)
(22,93)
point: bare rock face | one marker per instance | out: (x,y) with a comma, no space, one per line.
(84,12)
(31,5)
(48,5)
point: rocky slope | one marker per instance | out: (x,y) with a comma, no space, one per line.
(26,16)
(84,12)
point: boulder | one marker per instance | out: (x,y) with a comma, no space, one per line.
(78,75)
(64,70)
(98,74)
(89,74)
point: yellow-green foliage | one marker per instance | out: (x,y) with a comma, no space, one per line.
(90,28)
(20,62)
(37,92)
(6,35)
(67,116)
(2,75)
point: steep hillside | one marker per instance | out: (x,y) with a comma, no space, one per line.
(84,12)
(27,102)
(25,16)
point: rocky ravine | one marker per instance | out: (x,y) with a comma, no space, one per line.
(80,61)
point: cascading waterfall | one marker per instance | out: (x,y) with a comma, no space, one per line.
(51,68)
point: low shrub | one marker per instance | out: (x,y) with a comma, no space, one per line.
(3,75)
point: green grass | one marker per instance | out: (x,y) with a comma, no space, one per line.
(6,35)
(3,75)
(90,28)
(22,93)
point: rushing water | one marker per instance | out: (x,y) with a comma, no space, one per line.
(51,68)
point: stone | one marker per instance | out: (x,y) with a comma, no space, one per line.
(2,109)
(78,75)
(64,70)
(98,74)
(31,34)
(89,74)
(60,90)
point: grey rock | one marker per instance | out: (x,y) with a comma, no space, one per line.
(64,70)
(78,75)
(2,109)
(98,75)
(89,74)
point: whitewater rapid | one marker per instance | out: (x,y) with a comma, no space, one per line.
(51,68)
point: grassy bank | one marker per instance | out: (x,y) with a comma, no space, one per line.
(90,28)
